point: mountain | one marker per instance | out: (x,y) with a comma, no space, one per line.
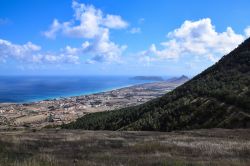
(148,78)
(219,97)
(182,78)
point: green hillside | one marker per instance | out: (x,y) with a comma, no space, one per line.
(218,97)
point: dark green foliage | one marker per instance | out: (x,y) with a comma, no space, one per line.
(218,97)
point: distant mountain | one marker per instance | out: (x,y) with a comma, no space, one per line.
(218,97)
(148,78)
(182,78)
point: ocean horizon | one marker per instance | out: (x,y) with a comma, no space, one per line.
(25,89)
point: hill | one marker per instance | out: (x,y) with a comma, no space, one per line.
(148,78)
(218,97)
(182,78)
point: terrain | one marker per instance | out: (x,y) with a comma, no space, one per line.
(152,78)
(65,110)
(78,147)
(217,97)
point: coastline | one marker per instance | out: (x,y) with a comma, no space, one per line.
(80,94)
(51,92)
(88,93)
(67,109)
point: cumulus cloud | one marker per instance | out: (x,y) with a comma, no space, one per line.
(104,49)
(92,21)
(198,38)
(172,51)
(247,31)
(50,58)
(101,49)
(54,28)
(94,26)
(113,21)
(8,49)
(88,23)
(31,53)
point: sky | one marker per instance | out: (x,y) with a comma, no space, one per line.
(111,37)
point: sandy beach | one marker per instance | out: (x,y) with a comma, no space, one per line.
(65,110)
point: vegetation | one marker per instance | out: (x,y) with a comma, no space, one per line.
(218,97)
(77,147)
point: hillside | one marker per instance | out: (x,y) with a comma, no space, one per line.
(212,147)
(218,97)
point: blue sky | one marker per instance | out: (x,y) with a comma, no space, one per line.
(98,37)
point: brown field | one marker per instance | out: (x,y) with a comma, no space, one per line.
(76,147)
(30,119)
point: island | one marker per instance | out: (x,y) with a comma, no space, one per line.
(148,78)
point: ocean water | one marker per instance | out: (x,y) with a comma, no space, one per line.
(21,89)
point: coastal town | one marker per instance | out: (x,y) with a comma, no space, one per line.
(64,110)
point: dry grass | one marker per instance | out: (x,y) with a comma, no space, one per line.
(69,147)
(30,119)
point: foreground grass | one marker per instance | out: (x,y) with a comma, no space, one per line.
(76,147)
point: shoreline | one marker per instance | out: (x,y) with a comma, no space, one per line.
(61,110)
(78,94)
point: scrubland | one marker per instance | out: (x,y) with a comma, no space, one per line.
(78,147)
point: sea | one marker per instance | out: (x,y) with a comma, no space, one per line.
(23,89)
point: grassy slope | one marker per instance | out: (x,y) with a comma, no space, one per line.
(218,97)
(218,147)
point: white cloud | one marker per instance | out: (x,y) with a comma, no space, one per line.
(146,60)
(31,53)
(71,50)
(247,31)
(49,58)
(113,21)
(54,28)
(198,38)
(135,30)
(153,54)
(101,49)
(92,21)
(7,49)
(93,25)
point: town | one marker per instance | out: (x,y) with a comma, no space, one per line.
(65,110)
